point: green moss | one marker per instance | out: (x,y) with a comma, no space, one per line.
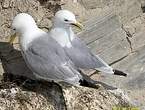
(125,108)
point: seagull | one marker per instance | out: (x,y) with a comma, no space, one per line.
(42,54)
(74,47)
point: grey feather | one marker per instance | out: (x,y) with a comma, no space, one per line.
(83,58)
(48,61)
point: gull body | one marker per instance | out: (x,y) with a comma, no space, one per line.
(43,55)
(76,49)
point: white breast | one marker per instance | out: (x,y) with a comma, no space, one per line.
(61,36)
(28,37)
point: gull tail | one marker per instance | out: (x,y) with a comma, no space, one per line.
(88,82)
(106,69)
(118,72)
(112,71)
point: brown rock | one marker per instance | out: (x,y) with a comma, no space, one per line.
(5,4)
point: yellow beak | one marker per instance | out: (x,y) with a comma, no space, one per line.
(12,38)
(77,24)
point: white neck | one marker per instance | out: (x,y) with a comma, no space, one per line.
(63,36)
(28,36)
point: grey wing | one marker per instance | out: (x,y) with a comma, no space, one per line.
(48,61)
(83,58)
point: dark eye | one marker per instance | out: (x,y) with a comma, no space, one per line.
(66,20)
(14,29)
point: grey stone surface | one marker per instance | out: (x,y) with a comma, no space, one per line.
(105,36)
(117,36)
(134,83)
(133,64)
(125,9)
(121,44)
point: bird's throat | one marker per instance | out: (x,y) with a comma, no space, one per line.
(62,36)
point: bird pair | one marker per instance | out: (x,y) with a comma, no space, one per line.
(58,54)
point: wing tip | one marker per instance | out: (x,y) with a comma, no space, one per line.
(107,70)
(120,73)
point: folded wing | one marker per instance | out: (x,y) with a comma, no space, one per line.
(48,61)
(83,58)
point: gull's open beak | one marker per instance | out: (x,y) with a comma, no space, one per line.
(12,38)
(77,24)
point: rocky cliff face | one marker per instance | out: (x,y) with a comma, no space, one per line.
(114,29)
(117,35)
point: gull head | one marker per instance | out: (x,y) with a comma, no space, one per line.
(21,23)
(65,18)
